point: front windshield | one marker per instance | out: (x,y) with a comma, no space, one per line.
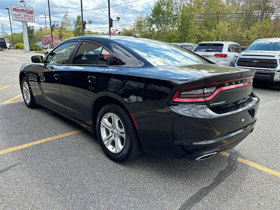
(160,53)
(265,45)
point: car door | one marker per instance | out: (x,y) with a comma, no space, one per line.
(50,76)
(84,80)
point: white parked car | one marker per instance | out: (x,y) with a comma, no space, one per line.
(8,45)
(219,52)
(186,45)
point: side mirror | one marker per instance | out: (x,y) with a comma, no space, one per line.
(243,48)
(37,59)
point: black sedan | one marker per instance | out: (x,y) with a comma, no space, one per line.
(143,95)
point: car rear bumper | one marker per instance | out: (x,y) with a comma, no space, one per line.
(202,148)
(268,76)
(265,75)
(194,130)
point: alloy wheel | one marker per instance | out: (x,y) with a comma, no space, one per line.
(26,92)
(112,132)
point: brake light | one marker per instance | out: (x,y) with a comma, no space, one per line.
(209,91)
(193,95)
(222,55)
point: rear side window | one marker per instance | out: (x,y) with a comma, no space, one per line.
(209,48)
(234,48)
(160,53)
(91,53)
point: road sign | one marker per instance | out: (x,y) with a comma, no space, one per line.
(23,14)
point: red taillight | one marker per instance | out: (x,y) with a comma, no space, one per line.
(193,95)
(209,91)
(222,55)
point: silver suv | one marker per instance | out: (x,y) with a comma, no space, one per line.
(219,52)
(263,55)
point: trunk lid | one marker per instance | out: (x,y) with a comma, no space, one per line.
(220,86)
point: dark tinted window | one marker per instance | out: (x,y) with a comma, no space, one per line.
(231,48)
(238,49)
(91,53)
(61,54)
(265,45)
(209,48)
(160,53)
(234,48)
(116,62)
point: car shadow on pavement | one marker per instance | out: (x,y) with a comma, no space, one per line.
(217,170)
(267,86)
(195,180)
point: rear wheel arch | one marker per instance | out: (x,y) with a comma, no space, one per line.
(101,102)
(21,75)
(116,132)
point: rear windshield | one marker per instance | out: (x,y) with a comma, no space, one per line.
(265,45)
(160,53)
(209,48)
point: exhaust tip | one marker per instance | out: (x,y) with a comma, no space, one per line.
(206,156)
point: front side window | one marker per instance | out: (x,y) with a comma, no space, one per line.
(231,48)
(61,54)
(91,53)
(238,49)
(234,48)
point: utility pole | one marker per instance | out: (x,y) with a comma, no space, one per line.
(11,26)
(82,16)
(50,22)
(109,17)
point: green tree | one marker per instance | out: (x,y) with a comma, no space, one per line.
(260,30)
(90,32)
(30,31)
(163,20)
(38,35)
(77,26)
(64,30)
(186,24)
(18,38)
(241,21)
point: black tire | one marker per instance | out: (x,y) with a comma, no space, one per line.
(27,93)
(122,141)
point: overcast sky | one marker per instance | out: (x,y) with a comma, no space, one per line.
(94,10)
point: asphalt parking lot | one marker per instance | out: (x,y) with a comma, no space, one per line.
(48,162)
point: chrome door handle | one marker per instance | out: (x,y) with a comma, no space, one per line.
(56,76)
(91,79)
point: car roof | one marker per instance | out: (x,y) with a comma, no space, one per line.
(276,39)
(103,37)
(217,42)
